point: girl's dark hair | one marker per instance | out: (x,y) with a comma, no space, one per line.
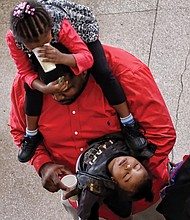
(144,192)
(29,20)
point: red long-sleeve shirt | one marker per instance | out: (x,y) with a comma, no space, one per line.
(67,128)
(68,37)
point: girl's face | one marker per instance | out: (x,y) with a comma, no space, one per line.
(128,172)
(38,42)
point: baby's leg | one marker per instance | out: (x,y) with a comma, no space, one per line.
(115,96)
(32,138)
(32,122)
(105,78)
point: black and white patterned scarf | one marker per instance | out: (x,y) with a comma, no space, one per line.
(80,17)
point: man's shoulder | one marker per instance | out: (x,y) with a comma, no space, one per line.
(120,57)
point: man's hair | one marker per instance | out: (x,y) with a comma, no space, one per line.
(29,20)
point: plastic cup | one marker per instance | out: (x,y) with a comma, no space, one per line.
(47,66)
(71,182)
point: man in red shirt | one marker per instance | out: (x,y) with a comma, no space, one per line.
(81,113)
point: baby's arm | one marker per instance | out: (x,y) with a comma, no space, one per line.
(56,86)
(49,53)
(80,58)
(72,41)
(21,60)
(26,71)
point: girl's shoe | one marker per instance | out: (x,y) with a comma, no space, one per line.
(29,145)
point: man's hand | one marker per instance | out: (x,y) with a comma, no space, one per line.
(51,174)
(70,194)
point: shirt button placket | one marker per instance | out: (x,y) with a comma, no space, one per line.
(74,112)
(75,126)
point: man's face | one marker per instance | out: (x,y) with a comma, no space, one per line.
(74,89)
(128,172)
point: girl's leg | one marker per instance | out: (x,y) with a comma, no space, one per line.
(115,95)
(104,77)
(107,81)
(32,107)
(32,138)
(32,122)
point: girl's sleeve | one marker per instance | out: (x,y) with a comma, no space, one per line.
(21,60)
(72,41)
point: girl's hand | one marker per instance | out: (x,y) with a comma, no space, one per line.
(56,86)
(49,53)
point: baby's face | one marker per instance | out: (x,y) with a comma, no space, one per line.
(39,42)
(128,172)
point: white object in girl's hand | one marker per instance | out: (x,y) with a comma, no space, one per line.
(47,66)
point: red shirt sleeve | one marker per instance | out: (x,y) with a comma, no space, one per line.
(72,41)
(145,101)
(148,107)
(17,123)
(21,60)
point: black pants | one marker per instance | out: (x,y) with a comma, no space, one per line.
(33,101)
(100,71)
(103,75)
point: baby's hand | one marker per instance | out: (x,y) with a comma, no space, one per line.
(63,83)
(49,53)
(57,86)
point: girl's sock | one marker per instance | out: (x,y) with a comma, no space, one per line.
(127,120)
(30,133)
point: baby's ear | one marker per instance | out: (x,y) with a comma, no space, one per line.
(112,178)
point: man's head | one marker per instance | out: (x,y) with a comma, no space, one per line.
(75,87)
(76,83)
(131,176)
